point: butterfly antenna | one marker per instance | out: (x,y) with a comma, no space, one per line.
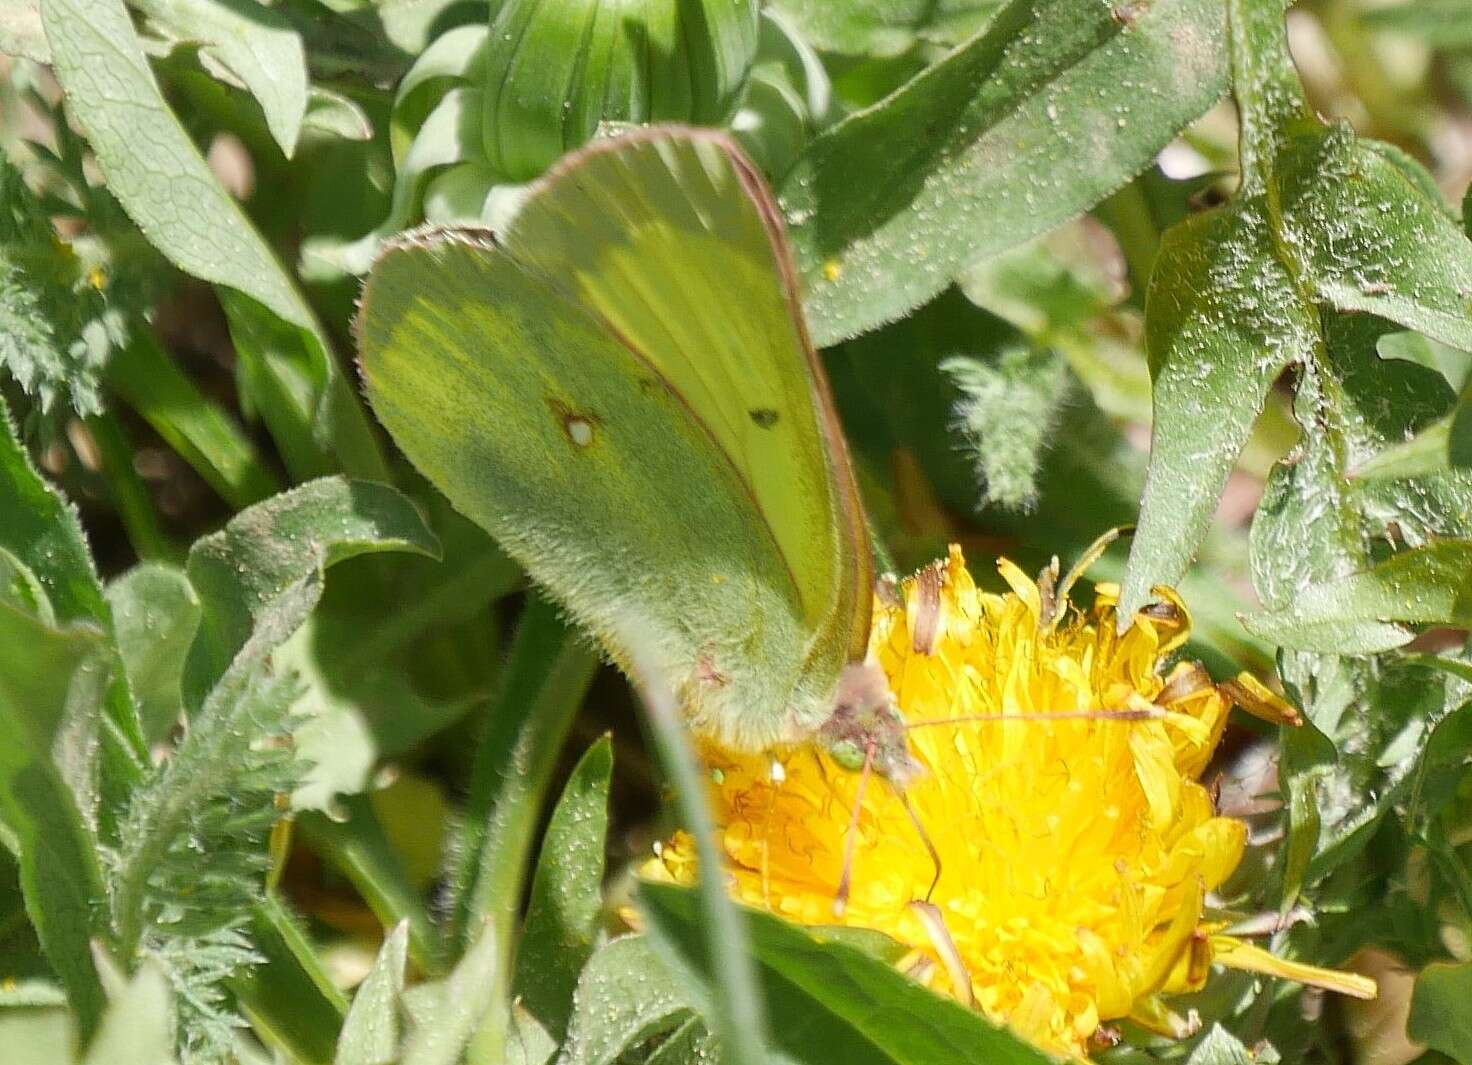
(845,881)
(1140,713)
(925,839)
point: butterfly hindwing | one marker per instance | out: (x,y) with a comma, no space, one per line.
(620,390)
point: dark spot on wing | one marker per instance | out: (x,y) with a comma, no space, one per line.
(578,426)
(765,417)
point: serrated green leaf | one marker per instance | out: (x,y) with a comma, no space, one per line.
(1006,414)
(563,915)
(1048,110)
(885,27)
(155,616)
(1358,614)
(1439,1015)
(164,184)
(370,1035)
(835,1003)
(1323,223)
(56,328)
(254,44)
(624,997)
(1374,730)
(239,571)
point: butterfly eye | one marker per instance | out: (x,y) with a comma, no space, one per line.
(848,754)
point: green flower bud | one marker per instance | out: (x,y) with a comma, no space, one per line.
(555,69)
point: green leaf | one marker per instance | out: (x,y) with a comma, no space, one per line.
(164,184)
(147,379)
(1375,732)
(20,30)
(445,1015)
(885,27)
(57,329)
(563,917)
(138,1027)
(1220,1047)
(354,840)
(240,571)
(1440,23)
(625,997)
(288,996)
(254,44)
(831,1002)
(371,694)
(1050,108)
(1439,1016)
(1323,223)
(155,616)
(1358,614)
(527,1043)
(733,1008)
(44,679)
(547,674)
(370,1035)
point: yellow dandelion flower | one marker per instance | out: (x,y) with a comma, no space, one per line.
(1060,793)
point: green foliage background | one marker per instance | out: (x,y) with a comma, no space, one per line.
(1073,264)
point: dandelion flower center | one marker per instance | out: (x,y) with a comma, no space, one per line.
(1059,790)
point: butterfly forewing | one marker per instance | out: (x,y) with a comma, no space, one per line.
(620,390)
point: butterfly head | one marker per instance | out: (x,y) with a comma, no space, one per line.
(866,726)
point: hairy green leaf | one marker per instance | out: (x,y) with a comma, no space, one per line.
(138,1028)
(625,997)
(1323,222)
(240,571)
(56,328)
(155,616)
(832,1002)
(1053,106)
(40,532)
(445,1015)
(1358,614)
(370,1035)
(563,917)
